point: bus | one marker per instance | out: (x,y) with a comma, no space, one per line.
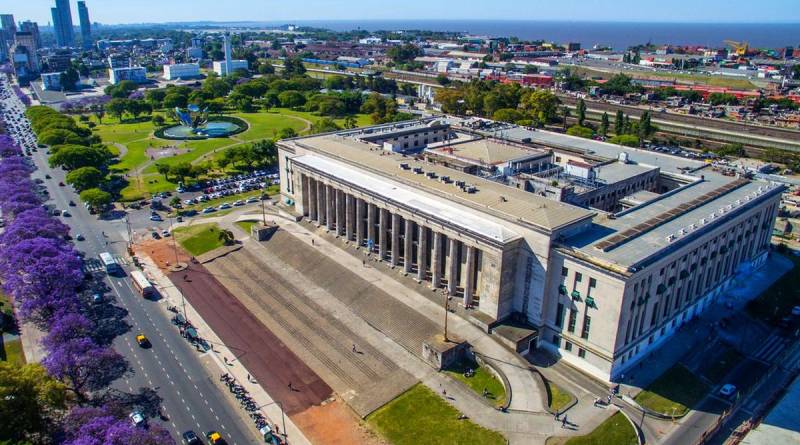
(141,283)
(109,263)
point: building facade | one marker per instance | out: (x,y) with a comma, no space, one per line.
(136,74)
(602,289)
(181,70)
(221,67)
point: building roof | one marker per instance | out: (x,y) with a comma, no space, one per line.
(487,152)
(503,201)
(617,171)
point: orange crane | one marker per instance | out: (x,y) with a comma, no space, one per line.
(741,48)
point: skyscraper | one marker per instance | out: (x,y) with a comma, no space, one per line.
(33,28)
(8,29)
(62,23)
(86,25)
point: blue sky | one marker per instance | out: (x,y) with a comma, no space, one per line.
(137,11)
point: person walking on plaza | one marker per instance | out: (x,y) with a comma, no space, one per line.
(564,421)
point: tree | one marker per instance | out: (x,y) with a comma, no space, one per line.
(96,198)
(163,169)
(158,120)
(69,78)
(265,152)
(580,131)
(214,86)
(627,140)
(226,236)
(404,53)
(293,66)
(59,136)
(324,125)
(443,80)
(109,425)
(350,122)
(620,84)
(289,132)
(117,107)
(722,99)
(172,100)
(604,123)
(71,157)
(84,178)
(30,402)
(181,170)
(155,97)
(646,128)
(291,99)
(619,124)
(509,115)
(581,107)
(541,105)
(266,68)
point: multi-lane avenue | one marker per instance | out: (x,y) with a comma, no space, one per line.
(185,379)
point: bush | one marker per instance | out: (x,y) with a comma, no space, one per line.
(582,132)
(627,140)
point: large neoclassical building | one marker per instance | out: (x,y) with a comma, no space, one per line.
(601,250)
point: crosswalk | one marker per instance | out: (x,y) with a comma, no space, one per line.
(770,348)
(94,264)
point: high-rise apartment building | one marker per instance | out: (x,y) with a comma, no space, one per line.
(62,23)
(33,28)
(86,25)
(8,30)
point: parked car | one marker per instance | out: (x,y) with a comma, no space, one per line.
(190,438)
(137,418)
(727,390)
(156,217)
(79,237)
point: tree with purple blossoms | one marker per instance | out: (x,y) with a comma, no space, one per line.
(84,366)
(110,426)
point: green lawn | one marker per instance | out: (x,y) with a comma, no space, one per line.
(722,365)
(483,379)
(559,398)
(12,352)
(421,417)
(111,130)
(198,239)
(779,299)
(267,125)
(676,391)
(247,225)
(699,78)
(616,430)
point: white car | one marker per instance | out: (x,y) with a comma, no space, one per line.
(251,199)
(165,233)
(224,206)
(137,418)
(727,390)
(238,203)
(209,210)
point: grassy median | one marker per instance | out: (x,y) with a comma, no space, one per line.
(675,392)
(483,379)
(421,417)
(616,430)
(200,238)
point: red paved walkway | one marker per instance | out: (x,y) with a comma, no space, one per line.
(267,358)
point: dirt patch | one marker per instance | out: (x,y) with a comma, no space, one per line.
(156,153)
(334,424)
(162,251)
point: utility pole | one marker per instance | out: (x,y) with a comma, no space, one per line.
(446,310)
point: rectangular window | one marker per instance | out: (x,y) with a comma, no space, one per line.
(573,315)
(578,277)
(560,315)
(564,271)
(655,315)
(568,345)
(581,353)
(587,324)
(592,283)
(556,340)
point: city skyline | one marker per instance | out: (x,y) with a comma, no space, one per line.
(151,11)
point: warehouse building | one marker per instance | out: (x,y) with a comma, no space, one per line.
(646,241)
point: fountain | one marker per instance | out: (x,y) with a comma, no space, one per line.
(195,124)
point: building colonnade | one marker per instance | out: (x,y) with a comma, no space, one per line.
(430,255)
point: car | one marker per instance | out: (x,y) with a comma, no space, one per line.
(156,217)
(97,298)
(251,200)
(180,190)
(179,219)
(47,176)
(224,206)
(209,210)
(60,183)
(190,438)
(143,341)
(165,233)
(727,390)
(79,237)
(137,418)
(215,438)
(238,203)
(155,235)
(71,203)
(65,213)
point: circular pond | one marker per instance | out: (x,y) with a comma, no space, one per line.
(212,129)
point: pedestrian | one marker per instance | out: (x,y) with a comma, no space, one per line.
(485,392)
(354,347)
(609,399)
(225,359)
(248,377)
(556,416)
(364,263)
(290,387)
(312,241)
(185,277)
(444,392)
(564,421)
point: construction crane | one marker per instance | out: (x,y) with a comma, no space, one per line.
(741,48)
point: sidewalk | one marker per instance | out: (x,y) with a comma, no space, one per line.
(172,297)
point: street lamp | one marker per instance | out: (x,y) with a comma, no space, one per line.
(175,249)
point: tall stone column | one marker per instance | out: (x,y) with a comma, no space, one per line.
(371,224)
(436,260)
(395,239)
(408,245)
(312,199)
(330,209)
(304,190)
(383,227)
(359,221)
(452,261)
(469,282)
(320,203)
(340,218)
(422,253)
(349,214)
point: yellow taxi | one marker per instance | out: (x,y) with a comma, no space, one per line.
(143,341)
